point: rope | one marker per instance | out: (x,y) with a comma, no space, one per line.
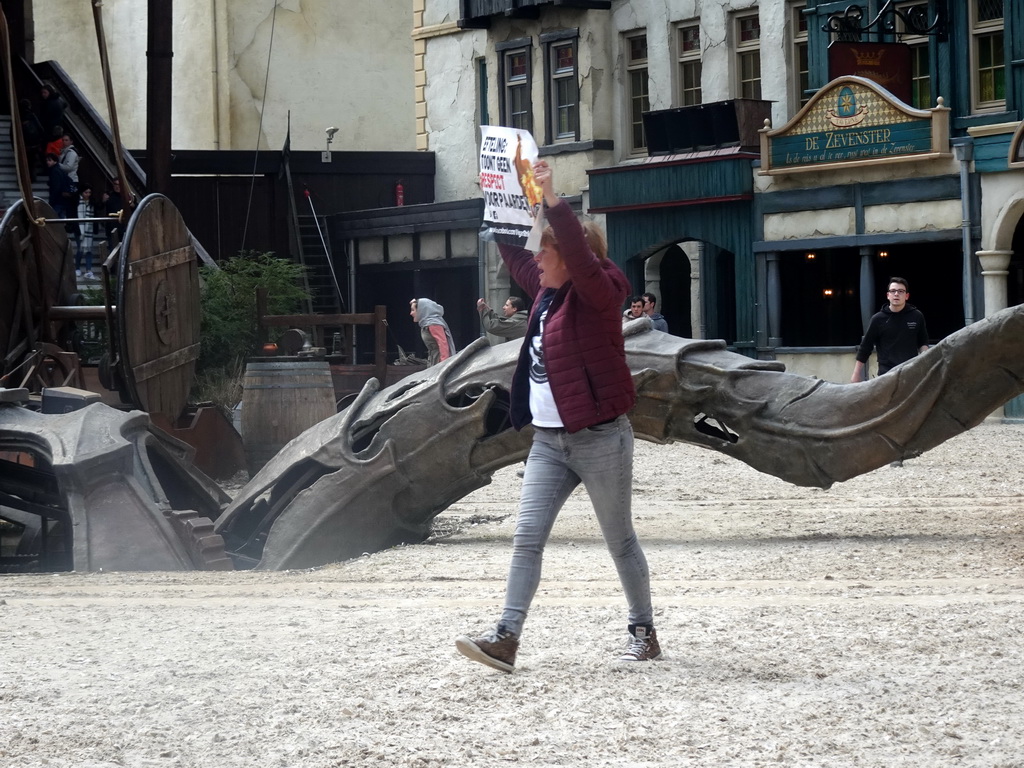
(23,173)
(259,130)
(108,85)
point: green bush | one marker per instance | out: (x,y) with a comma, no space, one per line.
(228,330)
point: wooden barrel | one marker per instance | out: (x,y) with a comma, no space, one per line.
(280,401)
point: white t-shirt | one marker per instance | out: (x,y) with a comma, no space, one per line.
(542,400)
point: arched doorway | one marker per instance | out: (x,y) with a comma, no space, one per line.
(1014,296)
(674,279)
(723,260)
(695,283)
(1015,280)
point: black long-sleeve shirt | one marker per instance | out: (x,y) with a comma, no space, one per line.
(898,336)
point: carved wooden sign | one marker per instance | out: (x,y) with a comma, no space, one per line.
(854,121)
(887,64)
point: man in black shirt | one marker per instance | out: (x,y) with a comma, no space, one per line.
(113,202)
(898,332)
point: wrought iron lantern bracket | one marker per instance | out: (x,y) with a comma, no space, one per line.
(848,25)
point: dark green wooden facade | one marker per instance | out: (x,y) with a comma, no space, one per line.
(651,205)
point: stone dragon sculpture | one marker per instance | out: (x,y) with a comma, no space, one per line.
(376,474)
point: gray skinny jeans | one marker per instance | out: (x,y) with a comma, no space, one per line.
(601,457)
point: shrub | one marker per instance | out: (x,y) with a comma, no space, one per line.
(228,331)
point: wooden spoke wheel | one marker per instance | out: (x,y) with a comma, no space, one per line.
(158,311)
(51,366)
(31,280)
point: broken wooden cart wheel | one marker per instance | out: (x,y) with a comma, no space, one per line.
(158,310)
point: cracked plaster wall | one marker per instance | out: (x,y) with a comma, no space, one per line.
(452,117)
(453,94)
(440,12)
(346,63)
(452,87)
(660,20)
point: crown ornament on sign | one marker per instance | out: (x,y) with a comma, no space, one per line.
(868,58)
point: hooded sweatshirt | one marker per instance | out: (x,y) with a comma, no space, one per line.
(434,331)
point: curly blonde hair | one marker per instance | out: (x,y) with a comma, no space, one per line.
(593,234)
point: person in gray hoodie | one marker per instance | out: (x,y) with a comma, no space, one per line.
(429,316)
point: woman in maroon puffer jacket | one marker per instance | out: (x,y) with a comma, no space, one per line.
(573,385)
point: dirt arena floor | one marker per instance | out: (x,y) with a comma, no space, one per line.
(878,623)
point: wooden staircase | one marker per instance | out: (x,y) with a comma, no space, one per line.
(9,190)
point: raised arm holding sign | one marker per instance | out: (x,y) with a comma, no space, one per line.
(512,198)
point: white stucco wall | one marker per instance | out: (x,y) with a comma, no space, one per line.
(913,217)
(660,19)
(832,366)
(452,88)
(1002,207)
(439,12)
(344,63)
(834,222)
(452,112)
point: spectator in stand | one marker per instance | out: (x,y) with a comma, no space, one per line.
(69,158)
(511,324)
(51,110)
(55,141)
(60,187)
(86,232)
(112,205)
(429,316)
(32,134)
(68,161)
(897,332)
(635,311)
(657,319)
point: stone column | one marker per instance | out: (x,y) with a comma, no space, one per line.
(994,272)
(692,249)
(868,299)
(652,275)
(774,300)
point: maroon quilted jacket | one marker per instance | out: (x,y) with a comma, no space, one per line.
(583,346)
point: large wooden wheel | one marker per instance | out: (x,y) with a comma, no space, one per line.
(158,311)
(37,271)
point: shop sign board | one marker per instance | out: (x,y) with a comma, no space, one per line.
(854,121)
(887,64)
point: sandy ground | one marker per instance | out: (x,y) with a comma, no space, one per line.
(875,624)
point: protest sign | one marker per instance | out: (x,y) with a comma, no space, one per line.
(512,199)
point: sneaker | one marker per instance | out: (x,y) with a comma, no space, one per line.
(90,276)
(496,648)
(643,644)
